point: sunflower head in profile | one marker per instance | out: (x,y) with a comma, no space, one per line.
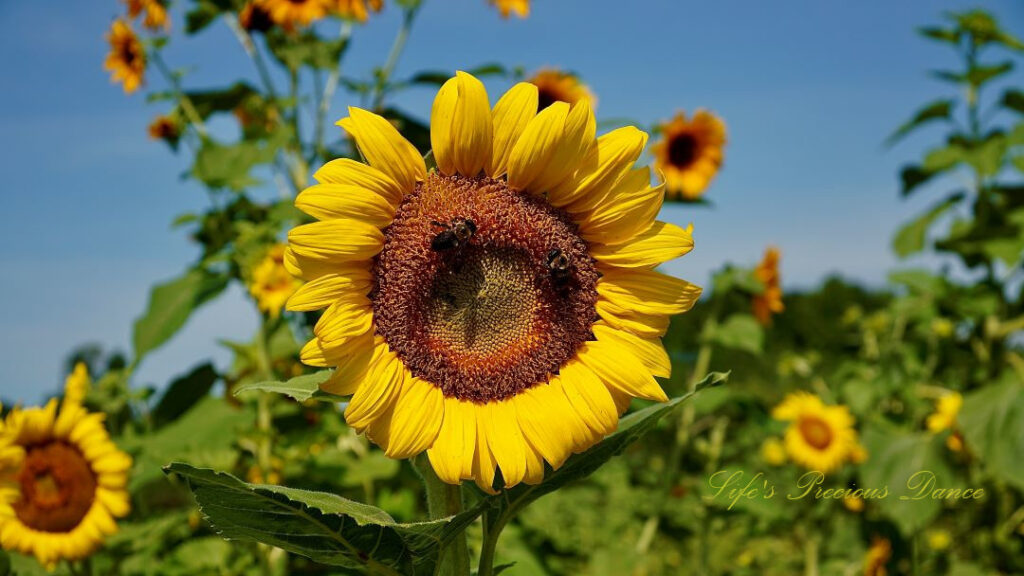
(501,310)
(819,437)
(62,480)
(358,10)
(126,60)
(521,8)
(555,85)
(769,301)
(154,13)
(291,13)
(166,128)
(271,284)
(690,153)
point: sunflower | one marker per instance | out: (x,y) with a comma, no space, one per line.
(358,10)
(155,13)
(559,86)
(126,60)
(271,283)
(254,17)
(773,452)
(947,407)
(877,557)
(521,8)
(62,480)
(288,13)
(165,128)
(819,437)
(690,153)
(769,301)
(502,310)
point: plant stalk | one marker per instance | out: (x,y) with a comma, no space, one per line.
(444,500)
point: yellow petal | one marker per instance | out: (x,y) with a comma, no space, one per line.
(460,126)
(343,321)
(659,243)
(617,151)
(576,145)
(351,285)
(417,418)
(385,148)
(335,241)
(620,370)
(506,441)
(349,172)
(331,201)
(645,325)
(534,467)
(483,461)
(629,209)
(511,115)
(589,397)
(647,291)
(452,452)
(548,422)
(649,351)
(351,368)
(378,390)
(533,151)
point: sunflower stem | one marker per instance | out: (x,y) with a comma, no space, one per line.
(384,76)
(444,500)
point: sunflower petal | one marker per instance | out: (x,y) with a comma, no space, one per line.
(628,210)
(620,370)
(590,398)
(385,148)
(350,368)
(378,391)
(511,115)
(649,351)
(536,146)
(335,241)
(461,131)
(506,441)
(647,291)
(617,151)
(451,455)
(417,418)
(330,288)
(331,201)
(343,321)
(349,172)
(659,243)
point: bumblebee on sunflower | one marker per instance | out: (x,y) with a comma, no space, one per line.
(500,311)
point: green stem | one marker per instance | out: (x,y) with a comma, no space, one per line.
(408,17)
(492,530)
(183,100)
(345,34)
(811,556)
(444,500)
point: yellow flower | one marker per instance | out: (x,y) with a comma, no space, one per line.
(62,480)
(946,409)
(521,8)
(877,557)
(819,437)
(289,13)
(938,539)
(943,327)
(77,384)
(853,503)
(165,128)
(254,17)
(155,11)
(559,86)
(271,283)
(502,310)
(690,153)
(769,301)
(126,60)
(356,9)
(773,452)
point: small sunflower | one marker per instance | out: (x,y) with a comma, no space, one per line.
(126,60)
(358,10)
(254,17)
(289,13)
(559,86)
(155,13)
(502,310)
(62,480)
(520,8)
(877,557)
(773,452)
(690,153)
(947,408)
(271,284)
(769,301)
(165,128)
(854,504)
(819,437)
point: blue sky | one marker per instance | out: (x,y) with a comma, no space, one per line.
(809,90)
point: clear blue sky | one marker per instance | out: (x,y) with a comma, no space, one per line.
(808,88)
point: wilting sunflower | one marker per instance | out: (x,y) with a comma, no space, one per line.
(289,13)
(769,301)
(819,437)
(520,8)
(271,284)
(559,86)
(690,153)
(501,310)
(154,10)
(358,10)
(62,480)
(126,60)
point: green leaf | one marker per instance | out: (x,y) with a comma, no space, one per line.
(739,332)
(992,419)
(712,380)
(306,49)
(941,34)
(301,388)
(204,13)
(207,102)
(323,527)
(170,305)
(942,159)
(937,110)
(228,166)
(980,75)
(184,392)
(911,177)
(1013,99)
(910,238)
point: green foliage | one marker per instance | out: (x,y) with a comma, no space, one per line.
(170,305)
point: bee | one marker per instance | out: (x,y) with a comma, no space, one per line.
(558,264)
(452,235)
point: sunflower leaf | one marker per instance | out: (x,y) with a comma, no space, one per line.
(323,527)
(171,304)
(301,388)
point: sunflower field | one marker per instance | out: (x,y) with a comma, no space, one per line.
(475,350)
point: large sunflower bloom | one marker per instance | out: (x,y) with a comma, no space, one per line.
(62,480)
(501,310)
(769,301)
(520,8)
(690,153)
(819,437)
(271,284)
(289,13)
(126,60)
(555,85)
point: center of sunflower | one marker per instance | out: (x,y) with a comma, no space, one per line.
(682,150)
(816,432)
(482,290)
(57,488)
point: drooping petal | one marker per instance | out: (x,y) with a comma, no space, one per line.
(378,390)
(484,463)
(649,351)
(659,243)
(589,397)
(452,453)
(331,201)
(385,148)
(343,321)
(350,366)
(416,419)
(510,117)
(506,441)
(618,369)
(645,325)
